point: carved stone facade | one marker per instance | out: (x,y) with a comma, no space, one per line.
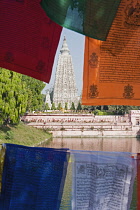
(65,91)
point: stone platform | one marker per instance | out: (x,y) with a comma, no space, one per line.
(87,125)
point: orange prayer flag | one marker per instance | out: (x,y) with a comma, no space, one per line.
(138,181)
(112,67)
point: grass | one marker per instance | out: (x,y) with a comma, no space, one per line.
(22,134)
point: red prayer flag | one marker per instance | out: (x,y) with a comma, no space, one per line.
(28,38)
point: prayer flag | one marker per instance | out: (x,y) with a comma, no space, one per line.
(138,181)
(102,180)
(112,68)
(89,17)
(28,38)
(33,178)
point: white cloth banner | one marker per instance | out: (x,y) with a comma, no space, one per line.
(102,180)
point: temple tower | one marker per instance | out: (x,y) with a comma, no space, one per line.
(65,90)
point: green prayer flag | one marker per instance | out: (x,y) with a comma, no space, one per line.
(92,18)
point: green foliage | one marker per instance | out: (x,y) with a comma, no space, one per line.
(120,110)
(59,106)
(13,96)
(72,106)
(53,107)
(34,88)
(79,107)
(66,106)
(111,109)
(51,94)
(99,112)
(47,106)
(96,112)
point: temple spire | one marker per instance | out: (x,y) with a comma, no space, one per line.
(65,91)
(64,50)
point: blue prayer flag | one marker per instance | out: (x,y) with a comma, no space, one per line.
(33,178)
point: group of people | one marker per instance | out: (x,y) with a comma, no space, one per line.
(93,119)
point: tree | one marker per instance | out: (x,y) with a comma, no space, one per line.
(66,106)
(53,107)
(13,96)
(51,94)
(120,110)
(47,106)
(72,106)
(59,106)
(34,88)
(79,107)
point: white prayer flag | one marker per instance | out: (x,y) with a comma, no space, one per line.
(102,180)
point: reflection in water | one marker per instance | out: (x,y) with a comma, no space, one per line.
(97,144)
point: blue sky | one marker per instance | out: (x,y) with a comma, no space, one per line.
(75,43)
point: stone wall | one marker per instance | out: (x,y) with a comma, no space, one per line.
(87,125)
(86,118)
